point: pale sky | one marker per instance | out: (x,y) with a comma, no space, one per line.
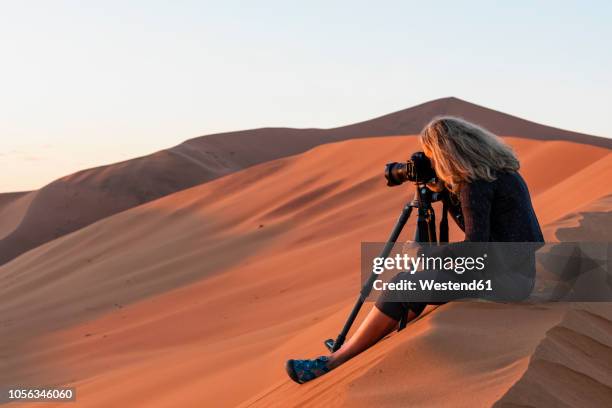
(85,83)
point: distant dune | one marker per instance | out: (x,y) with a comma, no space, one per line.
(13,207)
(80,199)
(8,198)
(205,292)
(411,121)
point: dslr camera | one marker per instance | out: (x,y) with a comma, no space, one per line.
(417,170)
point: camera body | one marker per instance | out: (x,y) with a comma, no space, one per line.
(418,170)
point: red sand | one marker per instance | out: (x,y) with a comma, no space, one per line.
(197,298)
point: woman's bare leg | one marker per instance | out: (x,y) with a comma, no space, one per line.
(375,326)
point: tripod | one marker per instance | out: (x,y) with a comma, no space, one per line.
(425,232)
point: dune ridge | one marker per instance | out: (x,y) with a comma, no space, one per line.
(12,209)
(571,365)
(79,199)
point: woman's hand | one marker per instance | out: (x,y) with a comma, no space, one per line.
(436,186)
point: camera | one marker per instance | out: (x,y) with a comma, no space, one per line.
(417,170)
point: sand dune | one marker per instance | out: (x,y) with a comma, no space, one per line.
(571,365)
(592,223)
(8,198)
(13,207)
(197,298)
(462,355)
(412,120)
(77,200)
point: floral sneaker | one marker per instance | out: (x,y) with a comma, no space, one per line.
(302,371)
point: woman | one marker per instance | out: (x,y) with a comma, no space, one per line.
(495,206)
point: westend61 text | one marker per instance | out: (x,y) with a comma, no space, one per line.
(430,284)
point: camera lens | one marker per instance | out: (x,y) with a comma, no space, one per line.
(417,170)
(396,173)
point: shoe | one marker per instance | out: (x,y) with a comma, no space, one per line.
(302,371)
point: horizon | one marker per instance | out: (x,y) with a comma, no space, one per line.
(318,128)
(95,85)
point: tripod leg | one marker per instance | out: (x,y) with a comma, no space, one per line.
(425,232)
(444,222)
(431,225)
(334,345)
(426,225)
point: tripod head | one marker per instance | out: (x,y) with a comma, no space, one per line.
(426,220)
(425,196)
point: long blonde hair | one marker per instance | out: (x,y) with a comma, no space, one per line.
(463,152)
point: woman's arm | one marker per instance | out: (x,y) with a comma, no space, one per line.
(454,209)
(476,198)
(451,200)
(473,217)
(476,202)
